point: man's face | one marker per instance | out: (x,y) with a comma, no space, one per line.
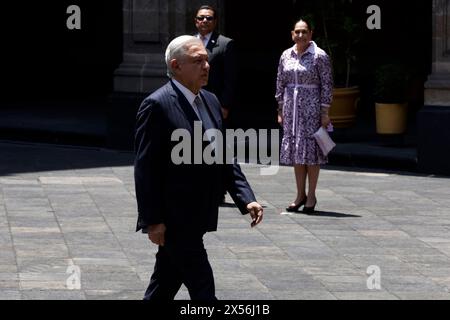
(205,21)
(192,70)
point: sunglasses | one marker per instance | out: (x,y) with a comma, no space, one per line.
(201,18)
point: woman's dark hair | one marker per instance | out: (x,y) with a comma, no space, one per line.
(209,7)
(308,20)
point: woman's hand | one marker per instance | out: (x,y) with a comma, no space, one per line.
(280,114)
(325,121)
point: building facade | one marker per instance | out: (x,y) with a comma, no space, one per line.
(116,58)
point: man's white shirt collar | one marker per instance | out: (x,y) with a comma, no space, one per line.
(190,96)
(206,40)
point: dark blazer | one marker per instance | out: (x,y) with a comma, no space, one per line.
(223,71)
(186,196)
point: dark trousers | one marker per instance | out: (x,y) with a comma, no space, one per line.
(182,260)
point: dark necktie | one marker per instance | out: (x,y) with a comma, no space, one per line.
(204,115)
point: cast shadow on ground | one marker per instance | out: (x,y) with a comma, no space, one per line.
(329,214)
(22,157)
(227,205)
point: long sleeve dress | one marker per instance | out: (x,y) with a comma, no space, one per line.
(304,86)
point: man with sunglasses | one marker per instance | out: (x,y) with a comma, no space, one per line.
(222,60)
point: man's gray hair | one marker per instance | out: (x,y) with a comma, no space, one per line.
(177,49)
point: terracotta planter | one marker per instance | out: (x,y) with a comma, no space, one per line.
(343,109)
(391,117)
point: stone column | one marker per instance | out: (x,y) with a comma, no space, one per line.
(434,118)
(145,33)
(437,88)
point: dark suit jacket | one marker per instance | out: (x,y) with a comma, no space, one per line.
(186,196)
(223,71)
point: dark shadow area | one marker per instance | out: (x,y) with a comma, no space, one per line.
(58,84)
(47,122)
(395,42)
(41,136)
(47,61)
(18,158)
(366,156)
(57,80)
(227,205)
(329,214)
(369,170)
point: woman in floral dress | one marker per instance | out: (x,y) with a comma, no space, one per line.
(304,94)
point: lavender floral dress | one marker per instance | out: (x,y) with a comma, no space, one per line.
(304,85)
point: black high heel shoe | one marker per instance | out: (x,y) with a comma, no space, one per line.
(296,207)
(309,209)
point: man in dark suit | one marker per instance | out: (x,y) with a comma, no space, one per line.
(178,204)
(222,58)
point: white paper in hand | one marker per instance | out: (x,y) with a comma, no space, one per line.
(324,141)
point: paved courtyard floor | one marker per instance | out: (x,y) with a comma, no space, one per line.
(69,214)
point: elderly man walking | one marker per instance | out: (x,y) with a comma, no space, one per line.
(178,204)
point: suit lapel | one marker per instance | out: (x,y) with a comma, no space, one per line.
(183,105)
(213,42)
(181,102)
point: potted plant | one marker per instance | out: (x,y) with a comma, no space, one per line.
(340,34)
(390,95)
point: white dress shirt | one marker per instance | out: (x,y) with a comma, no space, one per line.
(205,38)
(190,96)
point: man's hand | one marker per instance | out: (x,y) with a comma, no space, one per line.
(156,233)
(256,212)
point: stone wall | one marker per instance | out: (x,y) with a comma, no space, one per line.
(437,88)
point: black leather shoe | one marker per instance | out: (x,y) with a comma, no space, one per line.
(296,207)
(309,209)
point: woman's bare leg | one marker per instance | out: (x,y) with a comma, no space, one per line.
(300,179)
(313,177)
